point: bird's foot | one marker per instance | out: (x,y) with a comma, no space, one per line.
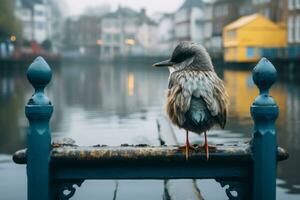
(186,149)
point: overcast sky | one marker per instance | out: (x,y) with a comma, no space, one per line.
(76,7)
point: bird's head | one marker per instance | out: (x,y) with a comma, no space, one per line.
(188,55)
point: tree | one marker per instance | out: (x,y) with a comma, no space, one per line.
(9,24)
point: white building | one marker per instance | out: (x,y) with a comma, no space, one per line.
(293,28)
(35,18)
(166,34)
(206,26)
(186,21)
(41,25)
(126,32)
(24,14)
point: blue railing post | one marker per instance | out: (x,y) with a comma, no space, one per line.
(38,111)
(264,111)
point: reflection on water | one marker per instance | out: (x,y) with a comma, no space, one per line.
(114,104)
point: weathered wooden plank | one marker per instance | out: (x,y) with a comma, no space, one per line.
(163,155)
(176,189)
(131,154)
(183,189)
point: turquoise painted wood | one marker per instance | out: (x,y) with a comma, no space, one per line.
(264,111)
(38,111)
(249,170)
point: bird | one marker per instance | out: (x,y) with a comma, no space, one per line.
(196,96)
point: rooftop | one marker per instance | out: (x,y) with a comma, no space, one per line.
(130,13)
(191,4)
(30,3)
(244,21)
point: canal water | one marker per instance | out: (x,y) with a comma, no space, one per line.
(114,104)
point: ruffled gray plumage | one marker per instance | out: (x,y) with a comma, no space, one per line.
(196,100)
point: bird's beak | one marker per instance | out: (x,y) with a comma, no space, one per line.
(166,63)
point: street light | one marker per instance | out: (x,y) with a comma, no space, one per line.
(130,42)
(99,42)
(13,38)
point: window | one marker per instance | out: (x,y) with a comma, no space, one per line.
(106,50)
(291,4)
(291,29)
(267,13)
(245,10)
(39,13)
(253,52)
(106,24)
(116,24)
(297,4)
(26,13)
(235,53)
(116,50)
(221,10)
(27,24)
(250,52)
(40,25)
(107,37)
(18,3)
(261,1)
(225,10)
(297,29)
(231,35)
(116,38)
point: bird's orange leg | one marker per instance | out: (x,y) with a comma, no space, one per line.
(187,146)
(206,146)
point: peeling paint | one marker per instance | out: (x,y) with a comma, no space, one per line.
(222,153)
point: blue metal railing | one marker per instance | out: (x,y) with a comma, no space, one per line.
(247,169)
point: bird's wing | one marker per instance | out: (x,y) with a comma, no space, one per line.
(206,85)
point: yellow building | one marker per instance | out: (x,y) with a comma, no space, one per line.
(246,38)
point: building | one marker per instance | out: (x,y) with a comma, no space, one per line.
(185,21)
(275,10)
(191,22)
(223,13)
(271,9)
(82,36)
(99,10)
(127,32)
(35,18)
(166,34)
(205,24)
(24,14)
(251,37)
(57,18)
(293,27)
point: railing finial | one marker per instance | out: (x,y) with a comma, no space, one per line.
(264,76)
(264,112)
(38,112)
(39,75)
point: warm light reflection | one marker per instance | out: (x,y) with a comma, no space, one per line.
(242,91)
(130,84)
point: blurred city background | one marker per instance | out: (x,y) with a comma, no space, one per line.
(105,31)
(105,91)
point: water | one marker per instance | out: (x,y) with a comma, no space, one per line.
(118,103)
